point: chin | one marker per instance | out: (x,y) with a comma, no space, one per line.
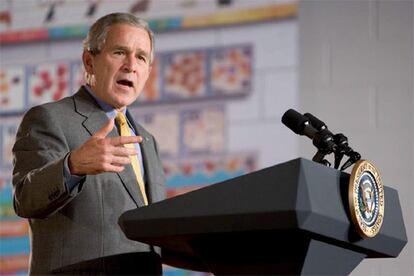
(124,103)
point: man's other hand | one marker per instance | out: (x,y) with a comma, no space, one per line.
(101,154)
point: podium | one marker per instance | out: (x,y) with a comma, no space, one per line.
(290,218)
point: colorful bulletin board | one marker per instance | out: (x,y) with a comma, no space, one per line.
(183,103)
(178,76)
(69,19)
(14,239)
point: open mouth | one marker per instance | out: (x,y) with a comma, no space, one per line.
(126,83)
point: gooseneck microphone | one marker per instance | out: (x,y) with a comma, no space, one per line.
(315,122)
(298,123)
(324,140)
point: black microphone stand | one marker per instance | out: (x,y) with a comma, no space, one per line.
(323,141)
(344,149)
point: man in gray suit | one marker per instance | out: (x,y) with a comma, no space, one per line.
(73,175)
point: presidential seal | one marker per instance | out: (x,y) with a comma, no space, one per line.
(366,199)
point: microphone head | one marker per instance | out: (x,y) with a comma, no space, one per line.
(295,121)
(315,122)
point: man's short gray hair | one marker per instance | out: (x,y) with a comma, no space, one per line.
(95,40)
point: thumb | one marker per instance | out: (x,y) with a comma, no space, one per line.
(103,132)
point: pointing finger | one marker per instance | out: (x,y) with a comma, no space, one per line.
(122,140)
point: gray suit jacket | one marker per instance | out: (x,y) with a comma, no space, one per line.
(70,227)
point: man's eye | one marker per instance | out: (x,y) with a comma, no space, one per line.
(143,58)
(119,52)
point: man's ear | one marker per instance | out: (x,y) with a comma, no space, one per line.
(87,59)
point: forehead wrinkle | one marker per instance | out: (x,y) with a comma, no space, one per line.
(121,47)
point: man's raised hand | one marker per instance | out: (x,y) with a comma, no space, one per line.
(101,154)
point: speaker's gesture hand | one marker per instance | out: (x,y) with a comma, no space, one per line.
(101,154)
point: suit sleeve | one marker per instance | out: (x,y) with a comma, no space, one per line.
(38,177)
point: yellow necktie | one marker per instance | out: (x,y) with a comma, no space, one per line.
(125,131)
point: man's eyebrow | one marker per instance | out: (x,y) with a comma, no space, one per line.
(127,49)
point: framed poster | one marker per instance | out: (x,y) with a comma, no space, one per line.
(231,70)
(12,89)
(185,74)
(203,130)
(8,132)
(48,82)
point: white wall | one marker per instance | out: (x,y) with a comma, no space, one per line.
(356,73)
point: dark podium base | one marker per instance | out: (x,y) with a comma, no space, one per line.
(270,254)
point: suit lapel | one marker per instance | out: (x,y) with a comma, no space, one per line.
(95,119)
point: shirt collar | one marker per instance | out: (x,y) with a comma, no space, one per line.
(109,110)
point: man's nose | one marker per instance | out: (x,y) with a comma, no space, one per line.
(130,64)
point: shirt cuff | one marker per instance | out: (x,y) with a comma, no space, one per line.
(71,180)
